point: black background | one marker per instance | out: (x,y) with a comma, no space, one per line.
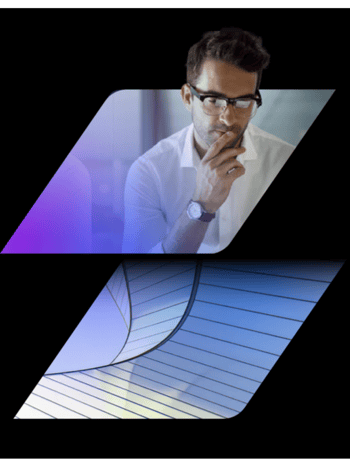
(57,68)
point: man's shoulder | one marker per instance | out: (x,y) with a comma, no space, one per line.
(173,144)
(268,140)
(163,158)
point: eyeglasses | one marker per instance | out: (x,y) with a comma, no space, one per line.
(245,106)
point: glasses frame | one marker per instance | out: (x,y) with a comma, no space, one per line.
(201,97)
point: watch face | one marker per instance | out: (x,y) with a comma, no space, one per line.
(195,210)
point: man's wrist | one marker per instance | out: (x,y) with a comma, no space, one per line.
(196,211)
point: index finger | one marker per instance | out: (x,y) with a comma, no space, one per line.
(218,146)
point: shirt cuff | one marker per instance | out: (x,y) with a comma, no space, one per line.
(157,249)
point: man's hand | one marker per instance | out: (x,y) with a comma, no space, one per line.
(216,173)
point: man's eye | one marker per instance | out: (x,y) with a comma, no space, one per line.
(243,103)
(215,102)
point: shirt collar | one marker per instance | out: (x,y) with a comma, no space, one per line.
(190,157)
(250,153)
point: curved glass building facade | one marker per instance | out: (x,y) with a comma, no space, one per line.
(182,339)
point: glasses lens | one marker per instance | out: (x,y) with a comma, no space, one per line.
(250,110)
(244,108)
(214,106)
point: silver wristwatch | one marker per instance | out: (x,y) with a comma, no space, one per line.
(196,211)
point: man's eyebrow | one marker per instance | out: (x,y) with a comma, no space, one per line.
(219,94)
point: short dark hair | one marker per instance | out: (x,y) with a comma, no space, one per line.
(232,45)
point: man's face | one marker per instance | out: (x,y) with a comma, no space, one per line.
(230,81)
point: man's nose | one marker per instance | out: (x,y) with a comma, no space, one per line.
(228,116)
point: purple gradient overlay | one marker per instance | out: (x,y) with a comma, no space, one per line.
(60,221)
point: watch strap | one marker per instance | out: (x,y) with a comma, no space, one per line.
(207,217)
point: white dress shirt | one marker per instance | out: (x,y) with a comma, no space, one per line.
(162,181)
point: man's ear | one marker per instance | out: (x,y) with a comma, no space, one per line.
(186,97)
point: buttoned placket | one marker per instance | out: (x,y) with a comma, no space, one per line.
(230,213)
(227,224)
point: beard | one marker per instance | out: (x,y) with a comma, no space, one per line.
(238,130)
(209,134)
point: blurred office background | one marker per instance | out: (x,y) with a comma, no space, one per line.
(131,121)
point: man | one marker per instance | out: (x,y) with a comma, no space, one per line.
(193,191)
